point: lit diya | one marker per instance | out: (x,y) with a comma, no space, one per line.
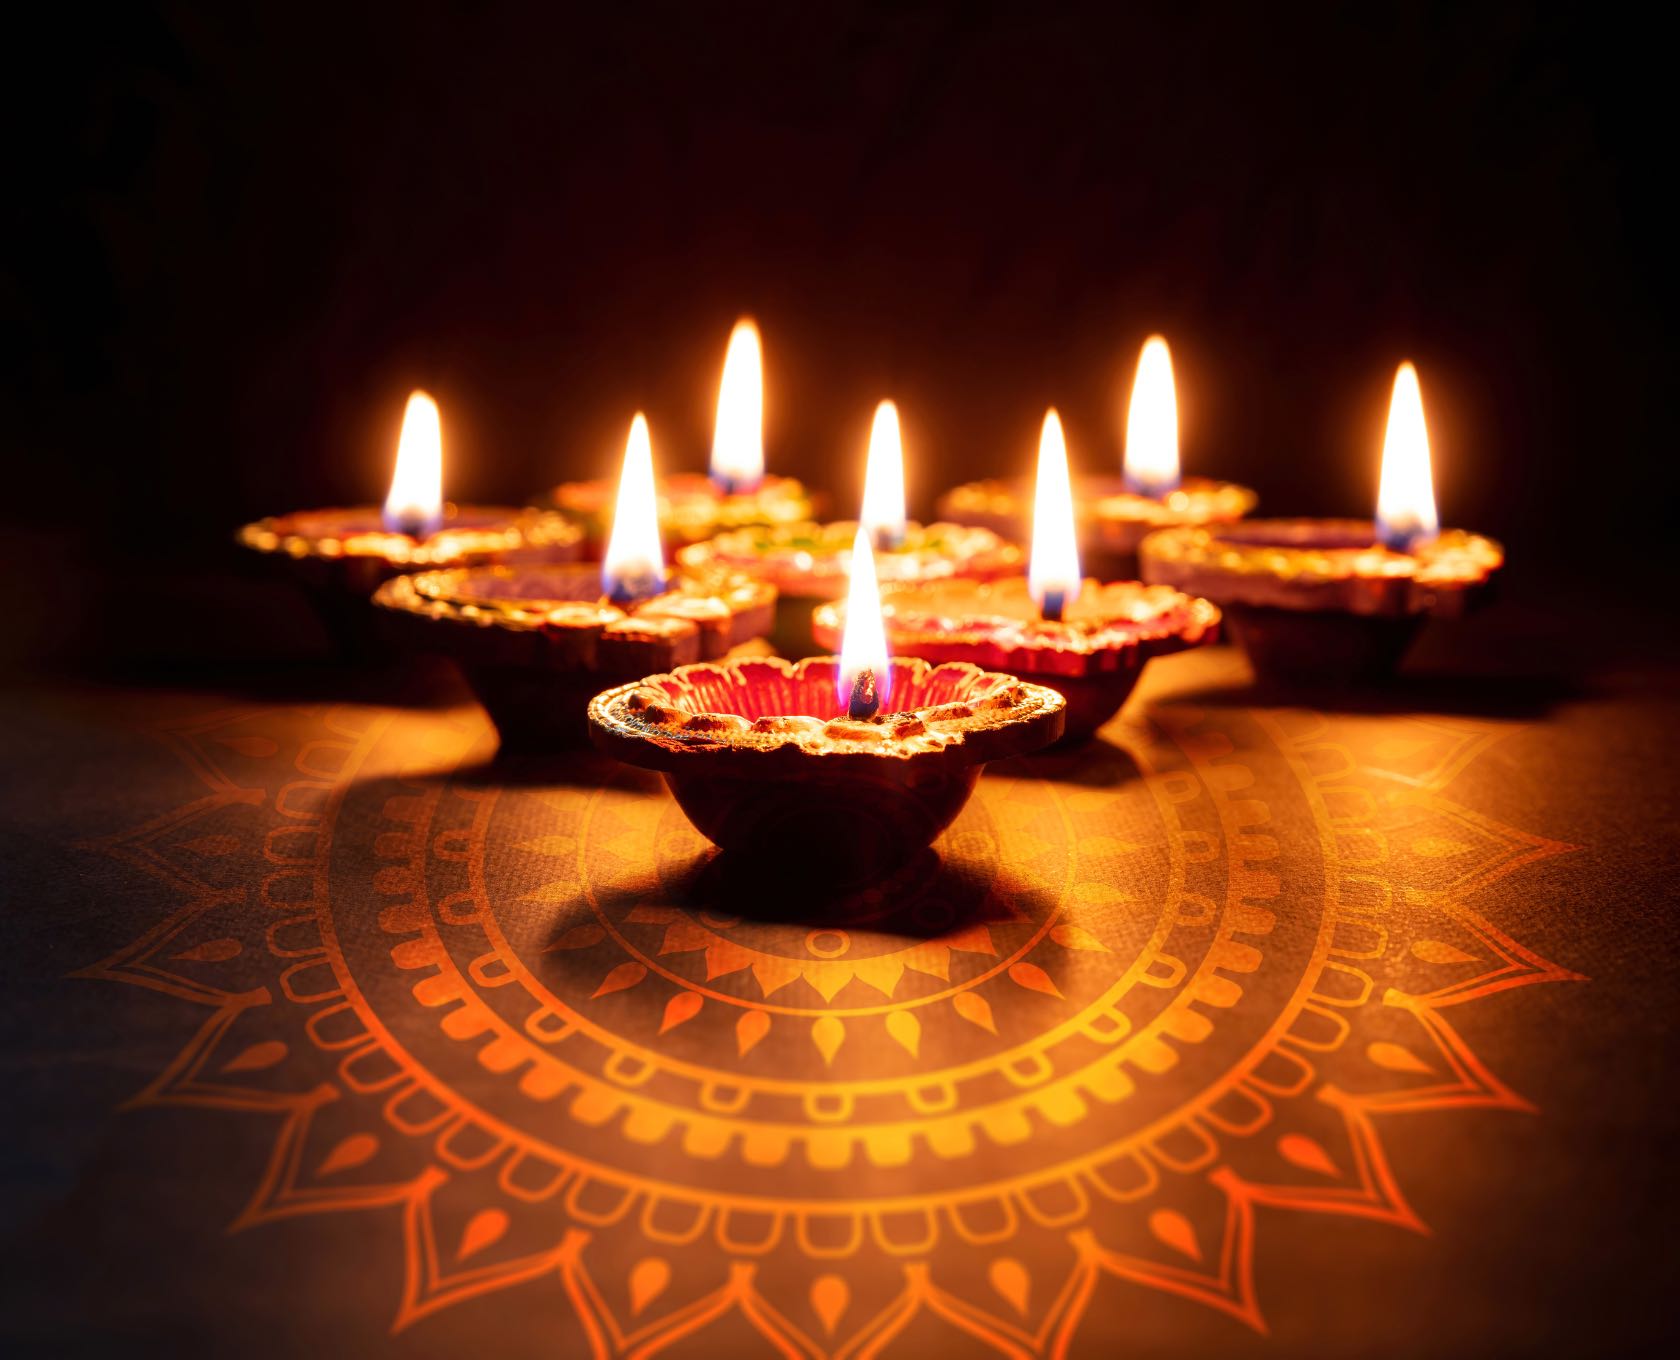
(809,563)
(1337,599)
(1113,514)
(738,492)
(536,641)
(340,555)
(1087,640)
(844,766)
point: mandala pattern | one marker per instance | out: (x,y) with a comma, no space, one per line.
(1113,1024)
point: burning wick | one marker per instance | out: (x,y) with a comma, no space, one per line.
(415,503)
(865,701)
(738,437)
(634,566)
(1151,460)
(628,588)
(863,679)
(1406,490)
(1053,577)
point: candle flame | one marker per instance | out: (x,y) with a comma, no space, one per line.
(634,566)
(1406,493)
(883,482)
(738,439)
(1152,423)
(415,503)
(863,645)
(1053,572)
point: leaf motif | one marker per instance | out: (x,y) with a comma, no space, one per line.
(683,1006)
(1070,936)
(773,973)
(975,1009)
(1009,1277)
(1034,978)
(829,1297)
(974,940)
(682,936)
(1396,1058)
(647,1281)
(211,951)
(724,956)
(828,978)
(578,937)
(1306,1153)
(482,1229)
(351,1152)
(1175,1231)
(828,1032)
(1439,951)
(882,974)
(1438,847)
(904,1027)
(625,975)
(749,1029)
(257,1057)
(932,958)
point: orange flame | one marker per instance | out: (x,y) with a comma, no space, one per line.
(1053,572)
(415,503)
(738,438)
(883,482)
(863,646)
(1406,492)
(1152,423)
(634,565)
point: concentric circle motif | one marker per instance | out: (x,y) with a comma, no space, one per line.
(1114,1023)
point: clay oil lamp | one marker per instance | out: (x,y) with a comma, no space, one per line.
(809,562)
(1327,601)
(736,493)
(1114,514)
(843,766)
(536,641)
(1086,639)
(339,556)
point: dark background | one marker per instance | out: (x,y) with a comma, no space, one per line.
(236,240)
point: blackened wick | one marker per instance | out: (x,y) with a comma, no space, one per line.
(865,700)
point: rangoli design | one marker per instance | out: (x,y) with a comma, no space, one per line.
(1116,1022)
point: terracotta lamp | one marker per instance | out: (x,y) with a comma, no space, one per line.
(1084,638)
(537,641)
(1113,514)
(840,765)
(736,493)
(809,563)
(339,556)
(1333,600)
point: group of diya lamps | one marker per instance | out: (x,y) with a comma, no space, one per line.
(954,647)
